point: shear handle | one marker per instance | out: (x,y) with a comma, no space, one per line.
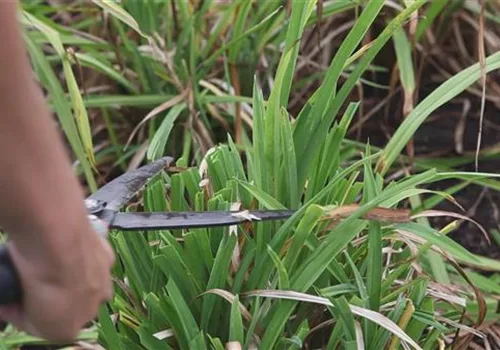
(10,285)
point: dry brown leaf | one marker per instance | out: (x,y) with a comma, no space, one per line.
(482,308)
(203,167)
(215,85)
(435,213)
(203,137)
(215,113)
(138,156)
(233,229)
(452,299)
(460,326)
(482,65)
(158,109)
(460,128)
(371,315)
(379,214)
(235,81)
(228,296)
(359,336)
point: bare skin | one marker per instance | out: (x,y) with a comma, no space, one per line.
(63,264)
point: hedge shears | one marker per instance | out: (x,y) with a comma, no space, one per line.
(104,208)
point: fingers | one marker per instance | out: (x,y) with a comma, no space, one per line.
(109,253)
(108,287)
(102,229)
(62,295)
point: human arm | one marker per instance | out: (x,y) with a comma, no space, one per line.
(63,265)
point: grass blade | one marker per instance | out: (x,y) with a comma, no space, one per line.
(92,62)
(62,108)
(283,280)
(373,316)
(119,13)
(236,327)
(445,243)
(291,194)
(307,123)
(157,146)
(259,155)
(445,92)
(188,323)
(79,111)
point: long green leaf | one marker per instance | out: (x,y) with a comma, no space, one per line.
(280,93)
(79,110)
(89,61)
(445,92)
(405,64)
(307,137)
(157,145)
(189,326)
(62,107)
(236,327)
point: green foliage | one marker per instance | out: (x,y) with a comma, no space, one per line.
(263,285)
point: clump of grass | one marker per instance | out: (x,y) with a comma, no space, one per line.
(358,265)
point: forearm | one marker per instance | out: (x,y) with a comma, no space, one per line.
(63,265)
(33,167)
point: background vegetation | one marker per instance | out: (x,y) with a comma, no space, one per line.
(371,118)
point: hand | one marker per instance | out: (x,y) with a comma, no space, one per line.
(62,290)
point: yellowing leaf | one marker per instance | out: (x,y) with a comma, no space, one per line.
(119,13)
(79,110)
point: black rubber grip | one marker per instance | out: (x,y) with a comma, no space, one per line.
(10,285)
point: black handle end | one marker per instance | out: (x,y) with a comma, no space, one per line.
(10,285)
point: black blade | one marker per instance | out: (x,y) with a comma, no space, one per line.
(182,220)
(120,190)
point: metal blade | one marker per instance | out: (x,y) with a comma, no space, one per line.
(183,220)
(120,190)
